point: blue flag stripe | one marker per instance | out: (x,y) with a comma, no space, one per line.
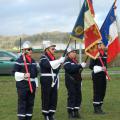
(106,25)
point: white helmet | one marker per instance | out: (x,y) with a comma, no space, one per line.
(70,50)
(26,45)
(48,44)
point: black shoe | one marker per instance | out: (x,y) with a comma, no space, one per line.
(77,114)
(28,117)
(51,117)
(98,110)
(71,115)
(21,118)
(101,111)
(46,118)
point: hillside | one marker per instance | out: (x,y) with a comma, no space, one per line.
(8,42)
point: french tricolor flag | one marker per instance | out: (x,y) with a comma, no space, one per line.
(109,34)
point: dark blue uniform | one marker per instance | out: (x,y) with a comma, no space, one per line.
(25,97)
(73,84)
(99,82)
(49,93)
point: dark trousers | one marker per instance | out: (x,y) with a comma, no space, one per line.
(48,96)
(74,93)
(99,88)
(25,101)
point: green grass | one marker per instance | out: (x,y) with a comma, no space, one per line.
(8,100)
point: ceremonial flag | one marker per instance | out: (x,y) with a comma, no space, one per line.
(90,4)
(78,30)
(91,33)
(110,34)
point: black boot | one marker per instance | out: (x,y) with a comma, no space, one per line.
(71,114)
(46,118)
(28,117)
(76,113)
(102,112)
(98,110)
(51,117)
(21,118)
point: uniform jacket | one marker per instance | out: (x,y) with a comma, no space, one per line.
(19,68)
(97,62)
(45,67)
(72,69)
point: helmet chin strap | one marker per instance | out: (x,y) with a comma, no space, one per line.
(49,51)
(25,51)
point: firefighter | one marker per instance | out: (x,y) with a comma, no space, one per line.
(73,81)
(49,82)
(99,79)
(25,97)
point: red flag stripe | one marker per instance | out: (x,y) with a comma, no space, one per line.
(91,35)
(113,50)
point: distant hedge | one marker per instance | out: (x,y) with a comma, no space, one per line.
(37,54)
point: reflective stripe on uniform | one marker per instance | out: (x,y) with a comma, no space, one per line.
(77,107)
(52,111)
(21,79)
(96,103)
(66,63)
(48,74)
(21,115)
(42,59)
(28,114)
(23,63)
(44,111)
(70,108)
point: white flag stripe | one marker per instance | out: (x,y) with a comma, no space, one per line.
(113,32)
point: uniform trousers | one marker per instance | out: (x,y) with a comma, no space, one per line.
(49,96)
(99,88)
(25,100)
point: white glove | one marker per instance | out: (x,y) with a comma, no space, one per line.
(56,63)
(106,78)
(19,76)
(83,64)
(98,69)
(36,82)
(62,59)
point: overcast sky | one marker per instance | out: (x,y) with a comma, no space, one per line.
(36,16)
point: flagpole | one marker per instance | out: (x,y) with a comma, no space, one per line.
(80,45)
(26,69)
(75,44)
(20,44)
(105,70)
(64,54)
(115,2)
